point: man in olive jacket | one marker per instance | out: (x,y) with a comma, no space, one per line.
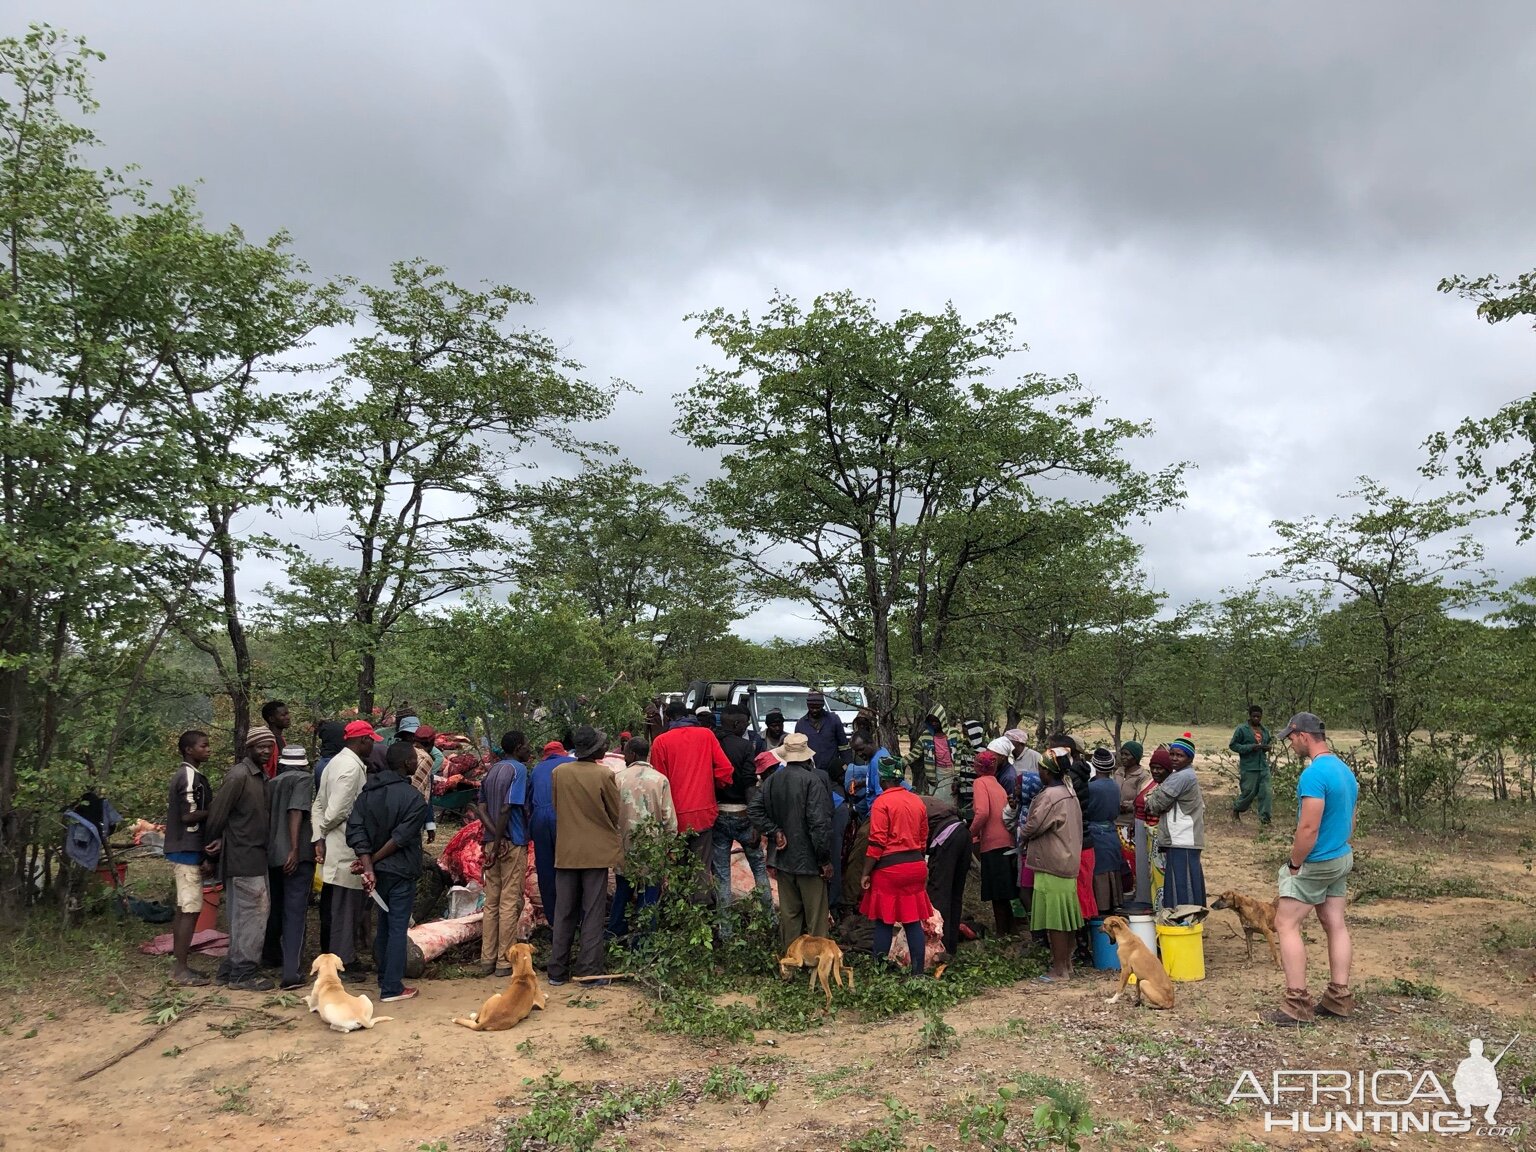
(589,817)
(793,808)
(237,832)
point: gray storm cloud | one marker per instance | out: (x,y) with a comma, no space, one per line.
(1229,219)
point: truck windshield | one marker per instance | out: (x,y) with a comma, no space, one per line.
(792,704)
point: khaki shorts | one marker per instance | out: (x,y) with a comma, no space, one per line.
(1317,880)
(189,887)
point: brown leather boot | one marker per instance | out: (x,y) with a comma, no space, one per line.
(1338,1001)
(1296,1010)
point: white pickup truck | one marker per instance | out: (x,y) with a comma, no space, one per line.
(761,697)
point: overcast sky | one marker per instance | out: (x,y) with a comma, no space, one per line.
(1228,218)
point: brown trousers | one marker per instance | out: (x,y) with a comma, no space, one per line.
(503,881)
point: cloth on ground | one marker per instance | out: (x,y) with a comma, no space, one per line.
(210,942)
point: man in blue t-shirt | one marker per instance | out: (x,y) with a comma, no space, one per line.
(1315,875)
(502,807)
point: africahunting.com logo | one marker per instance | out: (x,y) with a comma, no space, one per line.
(1389,1100)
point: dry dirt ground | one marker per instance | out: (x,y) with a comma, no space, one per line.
(1432,971)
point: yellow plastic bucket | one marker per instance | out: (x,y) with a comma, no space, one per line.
(1183,950)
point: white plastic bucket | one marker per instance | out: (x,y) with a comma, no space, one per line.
(1145,929)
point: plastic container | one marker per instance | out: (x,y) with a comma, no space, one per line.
(1105,954)
(213,896)
(104,874)
(1183,951)
(1145,929)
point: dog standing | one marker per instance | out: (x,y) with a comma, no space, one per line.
(512,1005)
(343,1012)
(1153,984)
(822,956)
(1255,917)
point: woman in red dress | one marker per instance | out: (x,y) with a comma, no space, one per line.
(896,881)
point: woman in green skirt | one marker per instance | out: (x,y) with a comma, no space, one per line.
(1054,838)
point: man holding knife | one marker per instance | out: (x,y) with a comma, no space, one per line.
(385,832)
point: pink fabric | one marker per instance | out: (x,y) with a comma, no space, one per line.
(988,832)
(210,942)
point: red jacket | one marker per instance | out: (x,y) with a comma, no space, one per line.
(898,822)
(693,762)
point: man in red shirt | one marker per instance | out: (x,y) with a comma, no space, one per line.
(691,759)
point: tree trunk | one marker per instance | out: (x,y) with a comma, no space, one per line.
(239,685)
(367,671)
(882,678)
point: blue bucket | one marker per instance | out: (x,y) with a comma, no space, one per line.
(1105,954)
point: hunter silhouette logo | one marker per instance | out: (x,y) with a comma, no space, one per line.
(1476,1083)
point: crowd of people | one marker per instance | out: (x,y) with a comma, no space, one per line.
(827,821)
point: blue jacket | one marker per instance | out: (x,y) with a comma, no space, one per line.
(542,781)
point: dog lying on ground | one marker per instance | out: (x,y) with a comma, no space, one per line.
(513,1004)
(1255,918)
(822,956)
(342,1011)
(1153,985)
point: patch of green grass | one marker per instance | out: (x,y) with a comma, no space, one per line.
(525,1048)
(838,1082)
(1377,878)
(1011,1027)
(760,1092)
(1511,936)
(681,964)
(725,1081)
(1412,989)
(887,1137)
(936,1036)
(562,1115)
(1117,1134)
(236,1098)
(29,1033)
(1060,1118)
(594,1043)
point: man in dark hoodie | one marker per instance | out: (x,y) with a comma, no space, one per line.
(732,825)
(385,832)
(793,808)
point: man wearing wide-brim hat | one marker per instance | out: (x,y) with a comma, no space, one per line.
(793,808)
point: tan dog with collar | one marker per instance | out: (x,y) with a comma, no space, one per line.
(511,1006)
(343,1012)
(1153,984)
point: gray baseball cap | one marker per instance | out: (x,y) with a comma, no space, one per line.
(1303,722)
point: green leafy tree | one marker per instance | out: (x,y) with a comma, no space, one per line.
(418,444)
(1267,650)
(852,447)
(112,306)
(1496,452)
(258,308)
(1397,567)
(618,544)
